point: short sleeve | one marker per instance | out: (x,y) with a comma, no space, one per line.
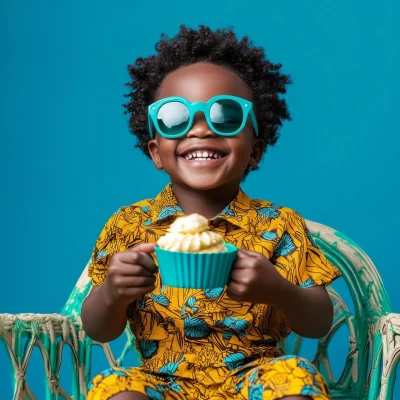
(109,242)
(299,259)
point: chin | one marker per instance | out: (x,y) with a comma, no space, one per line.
(203,183)
(208,182)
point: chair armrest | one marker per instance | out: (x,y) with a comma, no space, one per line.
(48,332)
(389,327)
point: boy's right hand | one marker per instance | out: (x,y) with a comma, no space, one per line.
(131,274)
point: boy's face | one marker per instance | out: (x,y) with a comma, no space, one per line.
(200,82)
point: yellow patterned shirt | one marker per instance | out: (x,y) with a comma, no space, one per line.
(203,334)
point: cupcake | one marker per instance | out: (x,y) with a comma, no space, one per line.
(192,256)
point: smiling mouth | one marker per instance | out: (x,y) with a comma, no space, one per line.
(203,155)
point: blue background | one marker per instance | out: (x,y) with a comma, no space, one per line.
(68,162)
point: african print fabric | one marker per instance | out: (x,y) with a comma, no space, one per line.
(200,344)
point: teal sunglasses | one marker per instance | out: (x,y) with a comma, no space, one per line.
(172,117)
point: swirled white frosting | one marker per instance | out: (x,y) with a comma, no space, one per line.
(191,234)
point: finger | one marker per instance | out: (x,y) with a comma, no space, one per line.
(136,281)
(243,253)
(133,270)
(243,263)
(236,275)
(142,259)
(144,290)
(233,291)
(135,292)
(145,260)
(143,248)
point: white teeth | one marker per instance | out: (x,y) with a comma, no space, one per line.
(203,155)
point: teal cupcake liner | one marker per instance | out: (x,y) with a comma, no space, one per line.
(195,271)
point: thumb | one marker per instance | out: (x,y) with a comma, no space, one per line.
(244,253)
(144,248)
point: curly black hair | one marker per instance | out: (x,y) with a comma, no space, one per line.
(219,47)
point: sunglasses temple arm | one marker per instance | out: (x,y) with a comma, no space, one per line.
(254,120)
(150,127)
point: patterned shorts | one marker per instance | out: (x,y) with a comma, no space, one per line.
(282,377)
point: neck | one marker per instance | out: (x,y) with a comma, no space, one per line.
(208,203)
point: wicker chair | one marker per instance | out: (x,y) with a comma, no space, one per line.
(369,370)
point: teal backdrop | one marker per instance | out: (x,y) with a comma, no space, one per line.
(68,161)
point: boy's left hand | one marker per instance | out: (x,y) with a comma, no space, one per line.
(254,279)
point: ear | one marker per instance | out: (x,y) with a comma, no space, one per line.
(154,151)
(257,152)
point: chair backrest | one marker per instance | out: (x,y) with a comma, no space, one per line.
(370,302)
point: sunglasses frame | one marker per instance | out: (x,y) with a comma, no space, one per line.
(247,108)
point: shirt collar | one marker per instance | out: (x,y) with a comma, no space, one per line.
(166,205)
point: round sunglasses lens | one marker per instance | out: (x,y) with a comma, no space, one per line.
(226,116)
(173,118)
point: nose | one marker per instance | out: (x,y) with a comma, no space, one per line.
(200,128)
